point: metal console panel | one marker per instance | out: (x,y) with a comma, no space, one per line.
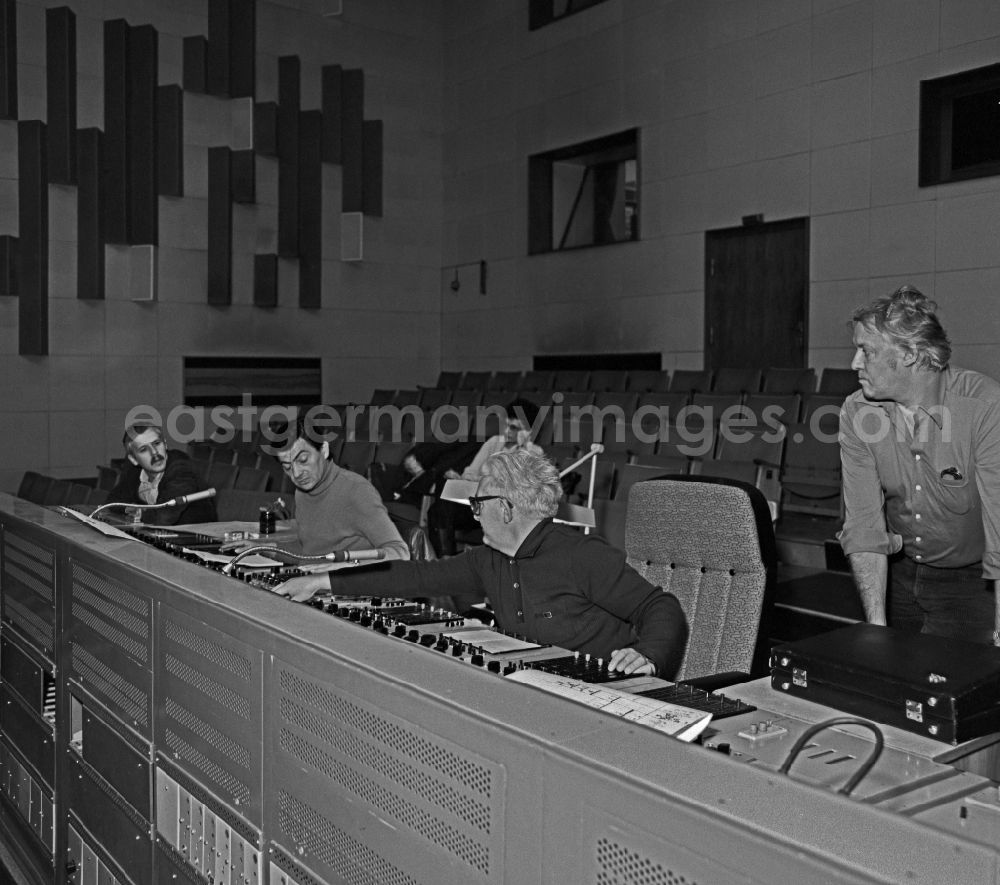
(283,745)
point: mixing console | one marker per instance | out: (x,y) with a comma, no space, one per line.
(434,628)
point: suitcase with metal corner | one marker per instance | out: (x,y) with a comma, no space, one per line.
(946,689)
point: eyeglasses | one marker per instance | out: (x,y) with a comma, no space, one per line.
(476,502)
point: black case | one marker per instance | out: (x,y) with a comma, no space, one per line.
(946,689)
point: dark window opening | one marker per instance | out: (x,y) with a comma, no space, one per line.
(543,12)
(598,361)
(960,126)
(267,381)
(584,195)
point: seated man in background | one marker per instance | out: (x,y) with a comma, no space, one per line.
(546,581)
(445,517)
(155,474)
(335,509)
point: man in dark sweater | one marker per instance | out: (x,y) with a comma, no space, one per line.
(546,581)
(155,474)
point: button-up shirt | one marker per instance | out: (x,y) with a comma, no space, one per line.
(931,488)
(560,588)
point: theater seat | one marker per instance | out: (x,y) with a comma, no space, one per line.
(711,544)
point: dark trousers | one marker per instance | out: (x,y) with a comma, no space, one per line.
(955,602)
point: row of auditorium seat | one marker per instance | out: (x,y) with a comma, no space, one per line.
(833,381)
(231,503)
(358,419)
(50,491)
(245,467)
(675,432)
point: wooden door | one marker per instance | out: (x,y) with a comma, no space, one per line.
(757,295)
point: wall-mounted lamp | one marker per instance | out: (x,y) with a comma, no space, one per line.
(456,284)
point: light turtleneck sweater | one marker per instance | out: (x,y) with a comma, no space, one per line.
(343,511)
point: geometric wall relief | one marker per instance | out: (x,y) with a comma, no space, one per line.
(120,170)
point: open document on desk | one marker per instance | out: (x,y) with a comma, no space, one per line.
(103,527)
(679,722)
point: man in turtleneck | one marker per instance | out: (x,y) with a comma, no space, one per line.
(335,509)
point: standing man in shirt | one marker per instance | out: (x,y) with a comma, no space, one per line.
(920,450)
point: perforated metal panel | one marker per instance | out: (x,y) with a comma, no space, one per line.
(111,644)
(210,720)
(618,864)
(28,589)
(429,790)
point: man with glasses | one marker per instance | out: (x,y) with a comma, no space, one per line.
(546,581)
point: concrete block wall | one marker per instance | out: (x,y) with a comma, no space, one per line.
(379,321)
(786,108)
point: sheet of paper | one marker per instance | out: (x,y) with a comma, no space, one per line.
(491,642)
(256,560)
(680,722)
(102,527)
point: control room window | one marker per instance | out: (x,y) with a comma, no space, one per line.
(960,126)
(543,12)
(584,195)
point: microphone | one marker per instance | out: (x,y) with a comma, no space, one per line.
(332,556)
(173,502)
(187,499)
(353,555)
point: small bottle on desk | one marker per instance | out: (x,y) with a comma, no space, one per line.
(268,521)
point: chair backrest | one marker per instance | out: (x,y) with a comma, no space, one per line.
(466,399)
(107,476)
(691,380)
(39,489)
(537,380)
(648,380)
(391,452)
(243,505)
(608,380)
(220,475)
(28,482)
(781,380)
(448,380)
(406,397)
(434,397)
(505,381)
(838,382)
(381,396)
(734,380)
(783,408)
(57,493)
(78,494)
(711,544)
(357,455)
(97,496)
(571,380)
(252,479)
(475,380)
(822,411)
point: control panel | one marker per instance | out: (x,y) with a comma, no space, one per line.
(202,839)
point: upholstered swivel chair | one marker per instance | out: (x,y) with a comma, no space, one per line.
(710,543)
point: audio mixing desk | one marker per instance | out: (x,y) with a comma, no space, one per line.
(161,721)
